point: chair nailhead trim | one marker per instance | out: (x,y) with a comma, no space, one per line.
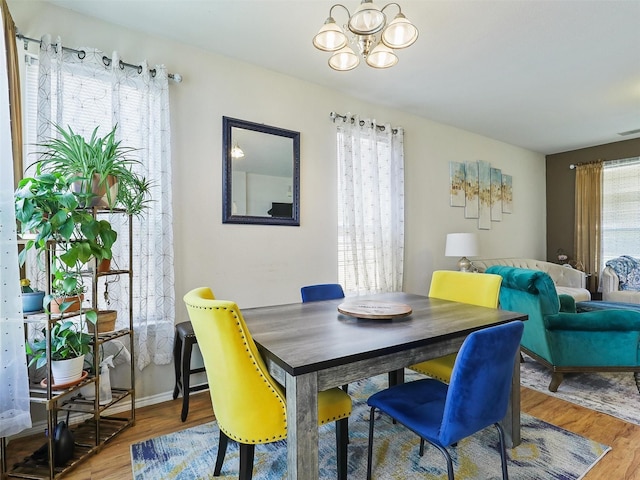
(264,379)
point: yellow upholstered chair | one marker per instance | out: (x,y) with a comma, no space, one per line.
(249,405)
(480,289)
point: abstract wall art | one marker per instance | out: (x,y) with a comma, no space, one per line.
(484,191)
(457,176)
(471,208)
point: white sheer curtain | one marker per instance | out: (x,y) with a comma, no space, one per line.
(15,415)
(85,90)
(620,226)
(370,205)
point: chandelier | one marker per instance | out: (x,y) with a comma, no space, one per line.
(363,26)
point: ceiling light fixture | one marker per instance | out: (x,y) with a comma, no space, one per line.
(236,152)
(366,22)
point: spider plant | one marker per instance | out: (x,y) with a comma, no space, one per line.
(100,169)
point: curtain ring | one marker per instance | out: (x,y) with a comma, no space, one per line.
(139,69)
(121,65)
(106,60)
(152,72)
(82,54)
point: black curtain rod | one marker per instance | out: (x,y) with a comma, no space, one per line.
(344,118)
(106,60)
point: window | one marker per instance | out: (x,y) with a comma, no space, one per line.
(621,209)
(87,89)
(370,207)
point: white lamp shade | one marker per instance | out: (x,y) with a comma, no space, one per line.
(382,57)
(400,33)
(344,59)
(330,37)
(367,19)
(461,245)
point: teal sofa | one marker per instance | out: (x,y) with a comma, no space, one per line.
(563,340)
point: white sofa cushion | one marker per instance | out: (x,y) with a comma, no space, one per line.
(610,285)
(569,281)
(579,294)
(624,296)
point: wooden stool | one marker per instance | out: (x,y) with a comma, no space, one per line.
(184,341)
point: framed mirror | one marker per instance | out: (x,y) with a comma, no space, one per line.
(260,174)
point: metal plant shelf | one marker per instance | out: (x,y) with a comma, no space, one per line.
(96,426)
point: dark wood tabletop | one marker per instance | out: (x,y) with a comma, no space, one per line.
(305,337)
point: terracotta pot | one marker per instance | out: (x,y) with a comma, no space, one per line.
(106,321)
(54,306)
(100,191)
(104,265)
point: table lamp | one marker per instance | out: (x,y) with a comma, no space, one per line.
(462,245)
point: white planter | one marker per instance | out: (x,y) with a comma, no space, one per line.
(67,371)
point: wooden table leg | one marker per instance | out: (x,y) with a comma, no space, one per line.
(511,422)
(396,377)
(302,427)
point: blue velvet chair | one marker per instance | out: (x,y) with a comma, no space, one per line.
(479,289)
(476,397)
(563,340)
(323,291)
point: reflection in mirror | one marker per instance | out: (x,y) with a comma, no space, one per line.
(261,174)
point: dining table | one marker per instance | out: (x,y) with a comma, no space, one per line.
(311,347)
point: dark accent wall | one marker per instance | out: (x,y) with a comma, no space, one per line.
(561,190)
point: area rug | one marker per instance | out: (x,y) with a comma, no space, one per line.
(546,451)
(612,393)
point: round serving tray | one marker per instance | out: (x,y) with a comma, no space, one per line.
(374,310)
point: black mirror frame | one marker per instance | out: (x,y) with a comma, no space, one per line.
(227,142)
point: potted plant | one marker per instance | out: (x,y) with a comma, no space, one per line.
(69,345)
(65,299)
(105,321)
(49,211)
(31,299)
(99,169)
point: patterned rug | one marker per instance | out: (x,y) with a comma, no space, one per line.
(613,393)
(546,451)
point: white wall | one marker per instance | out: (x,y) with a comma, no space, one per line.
(261,265)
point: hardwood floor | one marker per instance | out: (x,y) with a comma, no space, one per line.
(113,461)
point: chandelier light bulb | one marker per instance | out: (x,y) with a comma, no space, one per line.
(367,19)
(382,57)
(400,33)
(344,59)
(330,37)
(237,152)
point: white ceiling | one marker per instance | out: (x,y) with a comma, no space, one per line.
(546,75)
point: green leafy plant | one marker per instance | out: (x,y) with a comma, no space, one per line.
(95,165)
(49,210)
(67,341)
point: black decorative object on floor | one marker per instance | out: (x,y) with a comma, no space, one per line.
(63,447)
